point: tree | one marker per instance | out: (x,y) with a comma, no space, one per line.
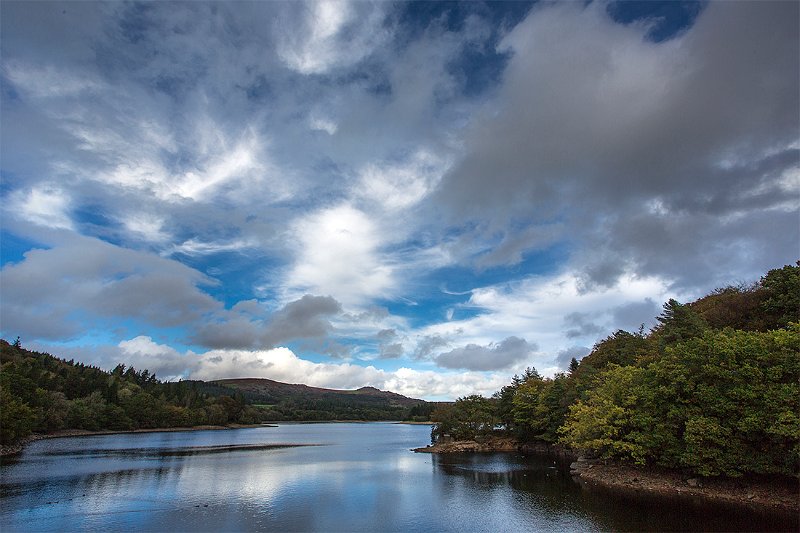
(468,418)
(782,303)
(573,366)
(679,323)
(16,417)
(607,423)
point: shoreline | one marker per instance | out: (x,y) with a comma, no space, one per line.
(15,449)
(761,494)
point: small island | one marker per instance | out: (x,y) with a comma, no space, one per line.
(706,404)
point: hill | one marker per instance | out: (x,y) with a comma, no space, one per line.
(284,401)
(42,393)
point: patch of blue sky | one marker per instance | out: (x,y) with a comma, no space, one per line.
(236,273)
(13,247)
(447,290)
(669,18)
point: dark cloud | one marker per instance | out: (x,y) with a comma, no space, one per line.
(307,317)
(390,345)
(427,344)
(580,325)
(492,357)
(87,281)
(651,153)
(564,357)
(247,326)
(632,315)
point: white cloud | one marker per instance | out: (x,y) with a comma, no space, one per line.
(320,43)
(338,255)
(45,205)
(197,247)
(281,364)
(167,363)
(539,308)
(395,187)
(148,226)
(318,123)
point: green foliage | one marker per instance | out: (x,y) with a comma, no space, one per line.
(470,417)
(39,392)
(17,419)
(714,389)
(723,403)
(679,322)
(43,393)
(607,421)
(782,302)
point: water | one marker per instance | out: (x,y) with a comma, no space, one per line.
(357,477)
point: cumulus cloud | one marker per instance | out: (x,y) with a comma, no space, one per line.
(339,255)
(540,304)
(85,281)
(491,357)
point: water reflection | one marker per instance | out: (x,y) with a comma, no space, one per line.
(364,478)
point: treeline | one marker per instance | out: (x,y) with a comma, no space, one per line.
(41,393)
(713,389)
(338,409)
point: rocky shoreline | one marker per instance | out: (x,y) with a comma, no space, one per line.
(766,494)
(14,449)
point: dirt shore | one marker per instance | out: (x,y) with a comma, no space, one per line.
(6,451)
(772,494)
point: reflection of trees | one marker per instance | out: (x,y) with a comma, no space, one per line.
(541,483)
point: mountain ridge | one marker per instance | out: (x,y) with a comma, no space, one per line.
(264,390)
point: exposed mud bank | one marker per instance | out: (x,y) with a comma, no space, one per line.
(776,494)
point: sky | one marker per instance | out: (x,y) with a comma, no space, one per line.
(421,197)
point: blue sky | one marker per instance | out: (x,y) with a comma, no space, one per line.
(421,197)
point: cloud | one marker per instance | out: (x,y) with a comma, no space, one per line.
(143,353)
(338,254)
(632,315)
(580,325)
(331,34)
(491,357)
(248,325)
(663,159)
(46,205)
(546,305)
(83,281)
(565,356)
(307,317)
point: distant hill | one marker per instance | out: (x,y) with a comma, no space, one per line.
(284,401)
(42,393)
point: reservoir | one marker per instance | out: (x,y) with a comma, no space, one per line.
(345,477)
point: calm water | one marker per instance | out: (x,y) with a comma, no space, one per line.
(361,477)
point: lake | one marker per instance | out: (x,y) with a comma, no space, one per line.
(356,477)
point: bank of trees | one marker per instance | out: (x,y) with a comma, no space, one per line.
(41,393)
(713,389)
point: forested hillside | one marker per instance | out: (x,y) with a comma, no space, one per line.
(42,393)
(713,389)
(284,401)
